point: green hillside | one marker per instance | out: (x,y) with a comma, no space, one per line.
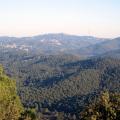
(10,105)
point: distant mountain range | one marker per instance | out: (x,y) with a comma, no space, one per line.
(61,43)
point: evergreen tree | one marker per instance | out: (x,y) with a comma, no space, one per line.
(10,105)
(107,107)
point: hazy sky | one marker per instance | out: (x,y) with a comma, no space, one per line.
(82,17)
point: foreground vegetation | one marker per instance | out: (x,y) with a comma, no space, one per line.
(11,107)
(106,107)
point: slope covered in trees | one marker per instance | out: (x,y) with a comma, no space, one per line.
(105,107)
(62,83)
(10,105)
(44,80)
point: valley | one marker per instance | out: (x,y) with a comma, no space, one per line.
(60,72)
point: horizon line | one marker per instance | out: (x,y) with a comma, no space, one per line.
(50,33)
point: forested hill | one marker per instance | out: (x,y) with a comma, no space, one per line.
(101,106)
(49,43)
(10,105)
(55,80)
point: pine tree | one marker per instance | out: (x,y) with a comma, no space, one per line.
(10,105)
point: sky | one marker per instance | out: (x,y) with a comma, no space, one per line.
(100,18)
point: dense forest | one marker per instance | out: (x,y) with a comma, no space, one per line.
(104,106)
(61,86)
(11,107)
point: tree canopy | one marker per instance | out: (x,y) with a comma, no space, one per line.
(10,105)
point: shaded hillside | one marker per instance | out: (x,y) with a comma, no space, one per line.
(101,48)
(112,54)
(44,80)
